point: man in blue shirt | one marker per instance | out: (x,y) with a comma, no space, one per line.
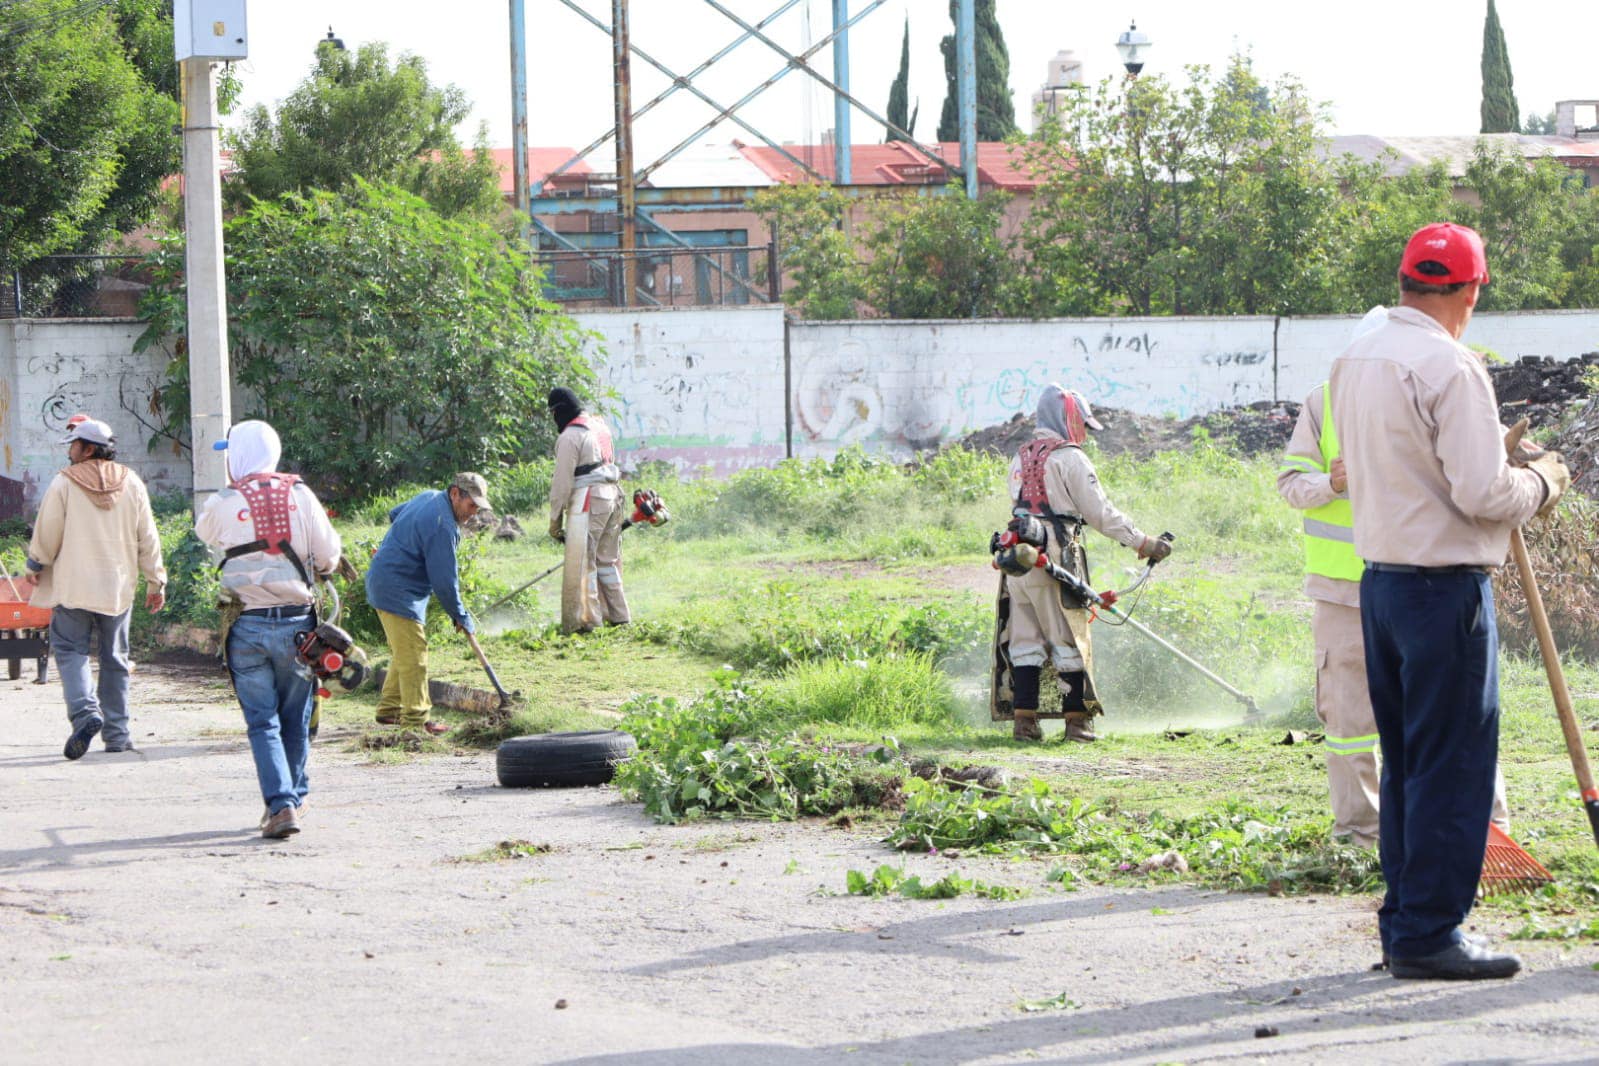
(416,560)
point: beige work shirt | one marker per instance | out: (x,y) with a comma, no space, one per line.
(577,446)
(95,545)
(1304,489)
(1418,427)
(1074,488)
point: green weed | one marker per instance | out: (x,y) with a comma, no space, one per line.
(507,851)
(893,881)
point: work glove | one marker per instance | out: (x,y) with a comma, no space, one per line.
(1556,479)
(1154,548)
(556,532)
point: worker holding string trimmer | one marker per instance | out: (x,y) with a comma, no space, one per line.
(586,513)
(1435,501)
(1052,480)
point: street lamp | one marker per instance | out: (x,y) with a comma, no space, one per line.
(338,45)
(1133,45)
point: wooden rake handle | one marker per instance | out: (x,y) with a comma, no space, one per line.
(1569,726)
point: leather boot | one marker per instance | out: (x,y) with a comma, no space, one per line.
(1025,726)
(1078,727)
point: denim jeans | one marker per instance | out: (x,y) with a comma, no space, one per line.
(1432,664)
(70,631)
(275,694)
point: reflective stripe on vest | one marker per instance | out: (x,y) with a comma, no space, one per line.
(1350,745)
(1330,528)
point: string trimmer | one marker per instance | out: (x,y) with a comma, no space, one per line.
(1020,548)
(648,510)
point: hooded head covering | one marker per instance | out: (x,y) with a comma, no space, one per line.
(1066,414)
(1374,318)
(253,448)
(564,406)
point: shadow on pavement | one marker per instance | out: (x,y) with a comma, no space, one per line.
(60,853)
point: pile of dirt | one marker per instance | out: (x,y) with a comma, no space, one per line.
(1551,394)
(1259,428)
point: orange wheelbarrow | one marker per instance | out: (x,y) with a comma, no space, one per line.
(24,631)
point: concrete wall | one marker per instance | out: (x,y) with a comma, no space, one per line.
(714,387)
(51,369)
(695,386)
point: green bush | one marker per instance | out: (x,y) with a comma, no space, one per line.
(874,694)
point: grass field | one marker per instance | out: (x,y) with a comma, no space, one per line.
(832,620)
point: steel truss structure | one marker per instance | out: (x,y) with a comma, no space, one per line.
(635,204)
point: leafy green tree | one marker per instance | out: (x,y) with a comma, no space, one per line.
(359,116)
(899,112)
(1539,125)
(1386,211)
(821,273)
(1527,215)
(1208,198)
(384,342)
(996,113)
(1500,113)
(939,257)
(86,124)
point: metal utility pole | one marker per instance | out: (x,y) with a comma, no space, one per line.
(843,172)
(522,199)
(204,32)
(966,90)
(627,200)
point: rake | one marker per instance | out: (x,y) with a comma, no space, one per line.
(1507,868)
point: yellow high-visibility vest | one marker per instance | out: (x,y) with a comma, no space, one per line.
(1330,528)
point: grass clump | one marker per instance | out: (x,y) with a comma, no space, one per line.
(873,694)
(894,881)
(1233,844)
(508,851)
(703,759)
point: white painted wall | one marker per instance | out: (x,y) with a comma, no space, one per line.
(694,386)
(51,369)
(705,387)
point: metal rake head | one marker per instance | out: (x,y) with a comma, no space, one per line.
(1507,868)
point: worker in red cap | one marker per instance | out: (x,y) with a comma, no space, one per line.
(1434,500)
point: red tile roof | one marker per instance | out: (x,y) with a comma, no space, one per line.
(895,163)
(540,161)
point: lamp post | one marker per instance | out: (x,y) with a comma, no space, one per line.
(1133,46)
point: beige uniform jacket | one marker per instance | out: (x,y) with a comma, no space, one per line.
(95,545)
(1073,487)
(576,446)
(260,579)
(1419,430)
(1304,489)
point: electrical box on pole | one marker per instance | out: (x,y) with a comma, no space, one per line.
(209,29)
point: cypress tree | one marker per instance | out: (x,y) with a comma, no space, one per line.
(996,114)
(1500,114)
(899,112)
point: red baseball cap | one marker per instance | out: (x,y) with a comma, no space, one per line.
(1445,254)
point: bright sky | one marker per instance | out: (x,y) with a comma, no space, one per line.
(1385,66)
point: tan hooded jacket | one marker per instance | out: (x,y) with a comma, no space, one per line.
(94,535)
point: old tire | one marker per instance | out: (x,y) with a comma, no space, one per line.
(560,760)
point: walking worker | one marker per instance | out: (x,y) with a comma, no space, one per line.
(417,559)
(1434,501)
(1052,479)
(586,497)
(273,538)
(93,536)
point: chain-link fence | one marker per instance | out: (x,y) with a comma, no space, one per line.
(74,286)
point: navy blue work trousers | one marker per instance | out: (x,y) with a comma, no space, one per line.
(1432,662)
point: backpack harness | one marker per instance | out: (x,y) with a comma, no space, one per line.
(606,450)
(267,496)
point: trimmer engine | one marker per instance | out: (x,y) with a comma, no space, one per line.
(332,655)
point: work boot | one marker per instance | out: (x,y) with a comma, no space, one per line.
(1025,726)
(1078,727)
(1464,961)
(283,824)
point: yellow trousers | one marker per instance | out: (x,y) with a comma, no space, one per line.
(405,689)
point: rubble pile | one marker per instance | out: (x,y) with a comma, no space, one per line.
(1551,394)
